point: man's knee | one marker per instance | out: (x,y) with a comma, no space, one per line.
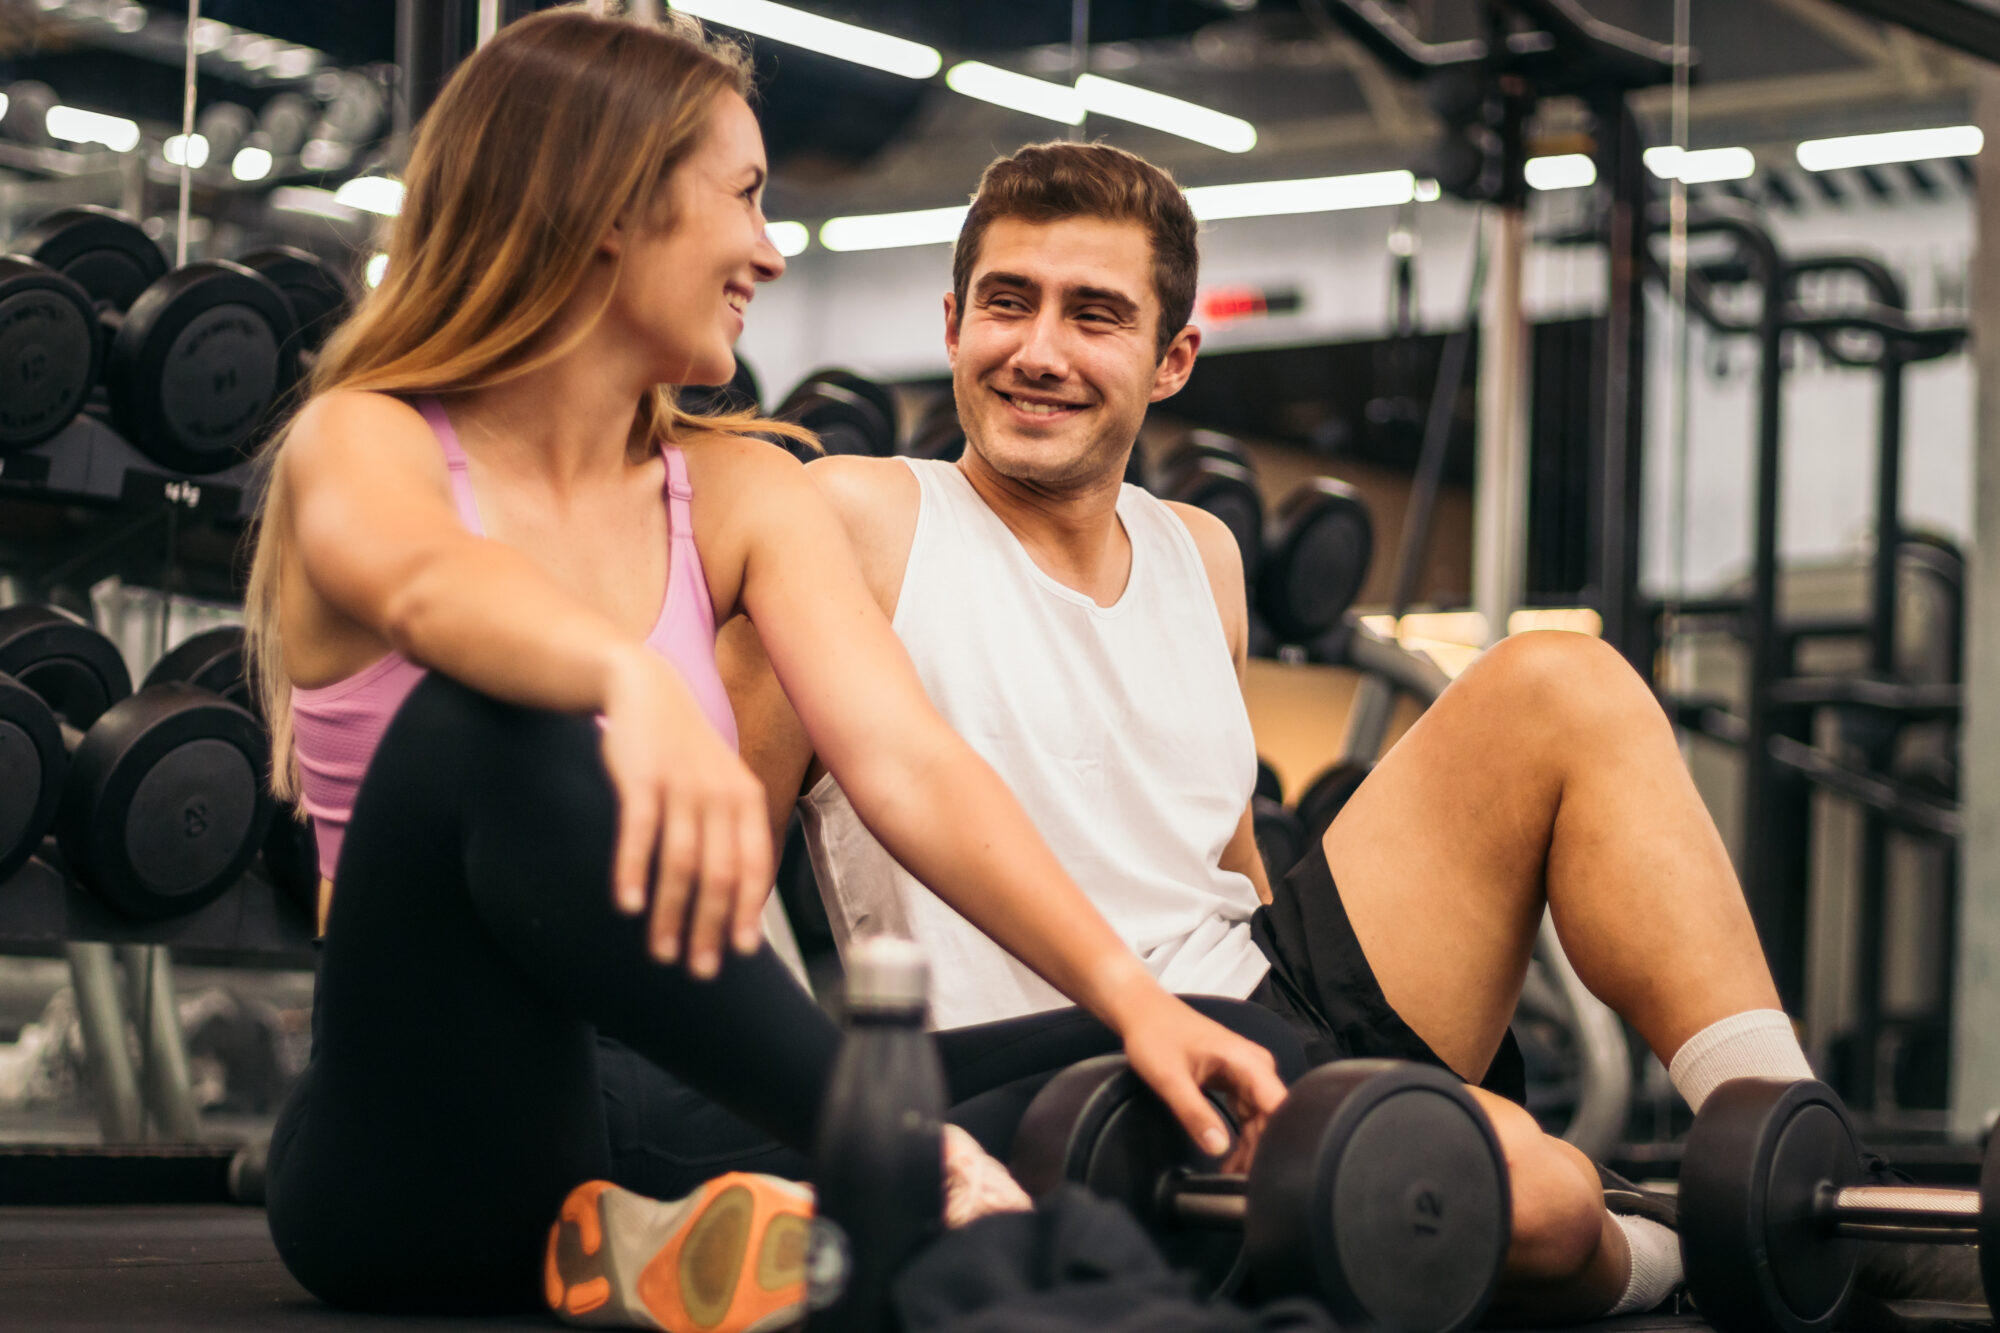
(1548,675)
(1558,1204)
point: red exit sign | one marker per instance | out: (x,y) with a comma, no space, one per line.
(1221,305)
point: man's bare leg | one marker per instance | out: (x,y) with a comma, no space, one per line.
(1547,776)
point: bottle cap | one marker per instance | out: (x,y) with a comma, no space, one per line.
(887,972)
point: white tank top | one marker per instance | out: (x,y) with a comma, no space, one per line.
(1120,728)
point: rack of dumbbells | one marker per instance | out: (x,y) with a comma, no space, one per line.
(134,823)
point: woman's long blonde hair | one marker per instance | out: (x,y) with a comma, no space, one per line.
(537,144)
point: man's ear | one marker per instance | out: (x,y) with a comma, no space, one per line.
(951,326)
(1176,365)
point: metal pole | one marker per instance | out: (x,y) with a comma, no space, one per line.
(1500,483)
(168,1088)
(102,1017)
(1620,391)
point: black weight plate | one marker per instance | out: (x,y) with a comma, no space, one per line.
(199,363)
(1759,1257)
(1315,559)
(1198,444)
(164,806)
(211,660)
(103,251)
(1098,1125)
(1228,491)
(48,352)
(319,295)
(1326,794)
(291,861)
(1268,783)
(32,761)
(940,437)
(1380,1189)
(76,670)
(845,422)
(1281,838)
(877,395)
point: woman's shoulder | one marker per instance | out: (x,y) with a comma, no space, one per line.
(360,433)
(722,460)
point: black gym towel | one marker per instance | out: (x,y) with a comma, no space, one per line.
(1077,1264)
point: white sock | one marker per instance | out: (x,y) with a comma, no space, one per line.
(1757,1044)
(1656,1264)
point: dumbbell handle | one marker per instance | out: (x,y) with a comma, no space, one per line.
(1194,1198)
(1903,1212)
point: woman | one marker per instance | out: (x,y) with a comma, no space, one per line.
(465,553)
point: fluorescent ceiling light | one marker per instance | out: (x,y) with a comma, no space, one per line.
(128,18)
(79,126)
(186,150)
(1568,171)
(296,62)
(887,231)
(378,268)
(1323,194)
(1170,114)
(1874,150)
(1702,165)
(310,200)
(3,106)
(373,194)
(251,164)
(829,37)
(1016,92)
(211,35)
(1428,190)
(788,238)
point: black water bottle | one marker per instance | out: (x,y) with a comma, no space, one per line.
(878,1171)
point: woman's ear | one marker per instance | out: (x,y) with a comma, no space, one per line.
(612,244)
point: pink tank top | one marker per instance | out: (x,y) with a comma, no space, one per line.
(337,727)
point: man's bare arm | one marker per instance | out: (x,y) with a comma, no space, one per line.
(1224,564)
(773,742)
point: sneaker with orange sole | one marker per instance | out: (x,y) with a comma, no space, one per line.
(728,1258)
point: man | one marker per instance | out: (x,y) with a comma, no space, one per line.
(1089,641)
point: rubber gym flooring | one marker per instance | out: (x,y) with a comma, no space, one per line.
(213,1269)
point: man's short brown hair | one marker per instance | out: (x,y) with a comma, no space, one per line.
(1046,182)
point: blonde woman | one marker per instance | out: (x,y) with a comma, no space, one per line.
(486,525)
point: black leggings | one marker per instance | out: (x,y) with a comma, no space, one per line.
(471,959)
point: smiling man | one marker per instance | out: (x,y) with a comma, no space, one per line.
(1089,641)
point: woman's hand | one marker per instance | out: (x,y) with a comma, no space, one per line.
(1180,1053)
(689,810)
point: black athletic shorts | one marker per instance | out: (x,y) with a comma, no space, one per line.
(1320,982)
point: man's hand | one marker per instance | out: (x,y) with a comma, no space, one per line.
(1180,1053)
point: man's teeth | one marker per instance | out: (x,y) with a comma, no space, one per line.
(736,302)
(1041,409)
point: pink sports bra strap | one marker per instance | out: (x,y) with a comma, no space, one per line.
(679,516)
(454,458)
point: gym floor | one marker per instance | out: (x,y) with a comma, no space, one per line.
(213,1269)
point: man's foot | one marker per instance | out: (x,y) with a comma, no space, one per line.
(1624,1198)
(728,1258)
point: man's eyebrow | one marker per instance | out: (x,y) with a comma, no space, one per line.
(1009,281)
(1117,300)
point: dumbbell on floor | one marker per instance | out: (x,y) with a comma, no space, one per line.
(1772,1199)
(1378,1188)
(193,360)
(160,803)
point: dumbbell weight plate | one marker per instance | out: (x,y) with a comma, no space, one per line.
(104,252)
(32,760)
(1757,1257)
(48,352)
(1315,559)
(845,422)
(319,295)
(70,665)
(211,660)
(1281,838)
(1380,1188)
(1098,1125)
(164,806)
(1228,491)
(877,395)
(198,364)
(1324,798)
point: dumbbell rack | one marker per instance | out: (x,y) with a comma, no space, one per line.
(89,461)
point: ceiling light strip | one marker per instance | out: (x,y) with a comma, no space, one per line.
(1106,97)
(1016,92)
(1876,150)
(830,37)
